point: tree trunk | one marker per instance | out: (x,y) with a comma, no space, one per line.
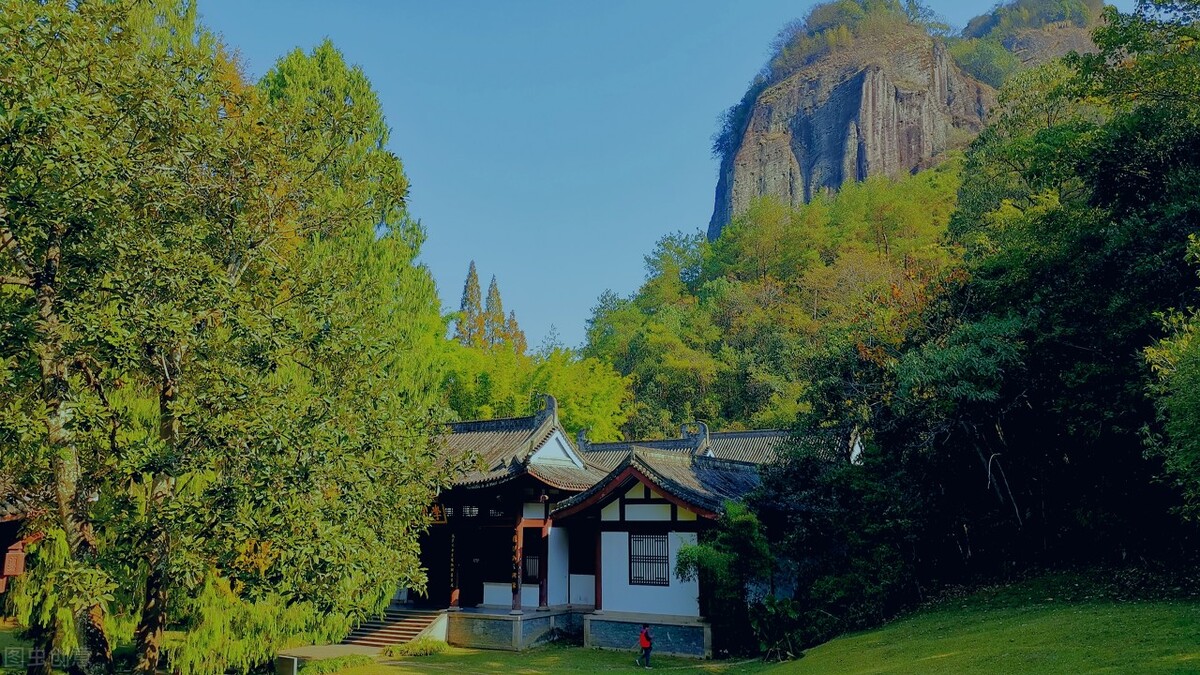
(55,391)
(42,638)
(153,621)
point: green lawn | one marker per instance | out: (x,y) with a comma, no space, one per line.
(1027,628)
(551,659)
(8,640)
(1090,637)
(1015,630)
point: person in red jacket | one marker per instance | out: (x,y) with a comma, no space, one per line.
(646,642)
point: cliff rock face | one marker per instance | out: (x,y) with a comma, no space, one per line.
(876,109)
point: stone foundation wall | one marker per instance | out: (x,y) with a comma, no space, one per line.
(681,639)
(480,631)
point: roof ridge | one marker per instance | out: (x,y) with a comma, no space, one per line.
(656,452)
(613,445)
(709,459)
(495,421)
(754,432)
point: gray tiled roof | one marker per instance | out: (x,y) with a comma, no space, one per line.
(703,468)
(757,447)
(567,477)
(501,447)
(706,482)
(606,459)
(13,505)
(10,510)
(10,502)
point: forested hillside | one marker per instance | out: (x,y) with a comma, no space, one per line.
(722,330)
(1009,334)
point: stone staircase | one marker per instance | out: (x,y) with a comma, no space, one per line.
(397,626)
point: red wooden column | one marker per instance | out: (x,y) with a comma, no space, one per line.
(518,560)
(544,568)
(599,605)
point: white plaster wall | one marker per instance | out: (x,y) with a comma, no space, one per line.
(558,576)
(529,596)
(497,594)
(583,589)
(611,512)
(557,450)
(680,598)
(534,510)
(647,512)
(500,595)
(437,630)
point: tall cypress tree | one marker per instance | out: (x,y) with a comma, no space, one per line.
(469,329)
(494,327)
(516,336)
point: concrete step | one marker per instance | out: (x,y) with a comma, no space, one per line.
(385,632)
(397,626)
(373,642)
(402,622)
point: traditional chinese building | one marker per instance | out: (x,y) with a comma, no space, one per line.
(548,535)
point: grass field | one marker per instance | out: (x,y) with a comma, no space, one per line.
(1036,627)
(551,659)
(1044,626)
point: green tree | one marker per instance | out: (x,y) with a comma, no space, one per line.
(732,561)
(1148,56)
(515,335)
(494,322)
(234,277)
(470,327)
(84,151)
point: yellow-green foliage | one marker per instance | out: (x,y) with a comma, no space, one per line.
(336,664)
(719,330)
(1007,19)
(418,647)
(982,51)
(501,382)
(246,632)
(833,25)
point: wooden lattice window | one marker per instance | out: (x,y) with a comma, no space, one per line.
(649,560)
(533,569)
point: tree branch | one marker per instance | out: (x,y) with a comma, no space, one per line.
(8,242)
(7,280)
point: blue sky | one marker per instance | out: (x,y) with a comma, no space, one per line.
(552,142)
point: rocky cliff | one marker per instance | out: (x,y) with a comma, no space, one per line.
(887,107)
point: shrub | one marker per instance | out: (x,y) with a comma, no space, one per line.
(418,647)
(336,665)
